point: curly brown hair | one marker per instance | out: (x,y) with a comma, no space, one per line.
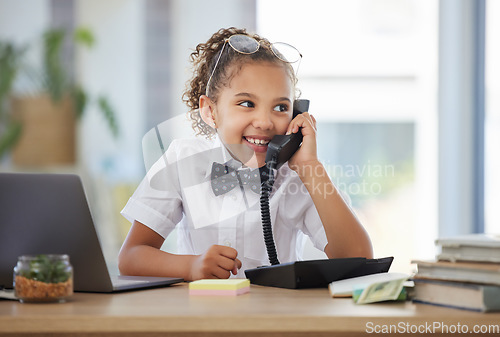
(203,60)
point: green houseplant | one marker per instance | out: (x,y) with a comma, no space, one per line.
(39,128)
(10,57)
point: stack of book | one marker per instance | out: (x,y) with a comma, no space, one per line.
(465,275)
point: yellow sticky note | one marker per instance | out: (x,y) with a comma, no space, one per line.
(217,284)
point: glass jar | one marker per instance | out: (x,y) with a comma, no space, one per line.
(43,278)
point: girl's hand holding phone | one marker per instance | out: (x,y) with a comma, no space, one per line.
(307,153)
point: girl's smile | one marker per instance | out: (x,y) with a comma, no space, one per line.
(255,106)
(257,143)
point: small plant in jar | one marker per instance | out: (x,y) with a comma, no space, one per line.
(43,278)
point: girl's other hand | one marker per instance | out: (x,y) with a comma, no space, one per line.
(217,262)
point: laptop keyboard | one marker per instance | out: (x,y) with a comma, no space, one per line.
(119,280)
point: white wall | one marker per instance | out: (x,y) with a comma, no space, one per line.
(115,68)
(23,22)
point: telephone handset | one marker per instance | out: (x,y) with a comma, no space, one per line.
(282,147)
(279,150)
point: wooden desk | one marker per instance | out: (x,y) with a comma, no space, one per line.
(266,311)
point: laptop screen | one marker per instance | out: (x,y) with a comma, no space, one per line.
(49,214)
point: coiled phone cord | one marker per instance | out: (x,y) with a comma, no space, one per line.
(280,150)
(266,188)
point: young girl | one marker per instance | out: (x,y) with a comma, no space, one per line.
(241,95)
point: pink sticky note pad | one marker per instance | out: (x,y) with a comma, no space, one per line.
(216,292)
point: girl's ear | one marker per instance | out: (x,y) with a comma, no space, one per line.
(207,111)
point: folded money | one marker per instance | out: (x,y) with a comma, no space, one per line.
(381,291)
(345,287)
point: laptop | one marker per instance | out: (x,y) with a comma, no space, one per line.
(49,214)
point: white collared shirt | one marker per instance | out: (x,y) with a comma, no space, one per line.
(177,192)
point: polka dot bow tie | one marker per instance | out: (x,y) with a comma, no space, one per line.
(224,178)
